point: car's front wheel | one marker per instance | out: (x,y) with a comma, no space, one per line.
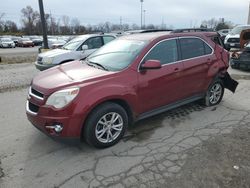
(106,125)
(214,93)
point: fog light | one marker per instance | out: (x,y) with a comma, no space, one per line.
(57,128)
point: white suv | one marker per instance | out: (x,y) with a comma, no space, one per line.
(232,40)
(78,48)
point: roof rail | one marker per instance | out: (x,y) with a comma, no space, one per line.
(186,30)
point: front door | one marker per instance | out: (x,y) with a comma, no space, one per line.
(162,86)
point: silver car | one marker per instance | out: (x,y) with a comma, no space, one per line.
(7,43)
(77,48)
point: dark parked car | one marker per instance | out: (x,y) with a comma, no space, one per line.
(36,40)
(131,78)
(25,42)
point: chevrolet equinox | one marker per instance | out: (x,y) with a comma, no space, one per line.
(130,78)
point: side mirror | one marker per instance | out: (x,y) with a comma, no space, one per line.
(84,47)
(151,64)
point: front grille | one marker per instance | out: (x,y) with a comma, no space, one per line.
(33,108)
(37,93)
(234,40)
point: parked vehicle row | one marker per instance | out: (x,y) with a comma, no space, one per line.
(128,79)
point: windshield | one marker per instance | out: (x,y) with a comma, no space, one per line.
(237,30)
(74,43)
(117,54)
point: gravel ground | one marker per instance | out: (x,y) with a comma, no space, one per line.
(16,76)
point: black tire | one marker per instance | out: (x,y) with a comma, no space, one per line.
(95,123)
(214,93)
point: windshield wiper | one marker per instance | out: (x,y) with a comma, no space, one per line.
(96,64)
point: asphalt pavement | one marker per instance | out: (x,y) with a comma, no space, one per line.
(191,146)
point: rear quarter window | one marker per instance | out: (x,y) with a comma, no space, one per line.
(194,47)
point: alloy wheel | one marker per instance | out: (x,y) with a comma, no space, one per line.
(109,127)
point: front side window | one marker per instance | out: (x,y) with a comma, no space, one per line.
(193,47)
(166,52)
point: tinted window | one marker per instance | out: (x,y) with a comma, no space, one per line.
(165,52)
(208,50)
(94,43)
(193,47)
(107,39)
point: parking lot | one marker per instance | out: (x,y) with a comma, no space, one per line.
(192,146)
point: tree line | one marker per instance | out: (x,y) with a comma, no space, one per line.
(31,25)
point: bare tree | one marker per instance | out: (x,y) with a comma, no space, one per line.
(1,21)
(10,26)
(75,24)
(29,19)
(65,29)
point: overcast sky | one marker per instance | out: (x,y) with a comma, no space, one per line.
(178,13)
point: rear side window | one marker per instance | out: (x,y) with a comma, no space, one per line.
(193,47)
(107,39)
(166,52)
(93,43)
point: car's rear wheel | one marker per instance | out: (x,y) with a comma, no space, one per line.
(214,93)
(106,125)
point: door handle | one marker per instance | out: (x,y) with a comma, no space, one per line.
(176,69)
(209,61)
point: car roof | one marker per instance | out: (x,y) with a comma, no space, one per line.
(93,35)
(153,36)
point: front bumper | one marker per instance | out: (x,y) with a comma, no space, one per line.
(8,45)
(46,117)
(42,67)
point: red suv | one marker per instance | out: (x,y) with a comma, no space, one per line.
(131,78)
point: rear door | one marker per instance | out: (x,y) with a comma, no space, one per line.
(197,57)
(162,86)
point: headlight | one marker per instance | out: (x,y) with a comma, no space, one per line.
(63,97)
(47,60)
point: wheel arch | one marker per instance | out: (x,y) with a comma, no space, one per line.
(124,104)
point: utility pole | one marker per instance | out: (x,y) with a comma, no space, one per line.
(248,20)
(51,24)
(144,24)
(120,23)
(44,28)
(141,11)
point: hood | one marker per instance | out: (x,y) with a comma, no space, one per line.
(66,75)
(53,53)
(244,38)
(232,36)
